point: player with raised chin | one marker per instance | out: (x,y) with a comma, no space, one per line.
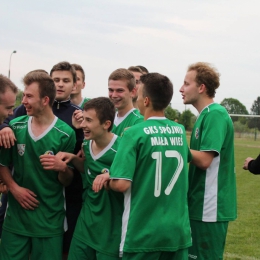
(212,179)
(34,223)
(151,169)
(98,230)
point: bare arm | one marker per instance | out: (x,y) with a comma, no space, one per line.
(54,163)
(202,159)
(100,181)
(76,160)
(25,197)
(119,185)
(7,137)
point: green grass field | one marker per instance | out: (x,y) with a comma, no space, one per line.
(243,239)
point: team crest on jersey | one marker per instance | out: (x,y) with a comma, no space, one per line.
(197,133)
(21,149)
(49,152)
(105,170)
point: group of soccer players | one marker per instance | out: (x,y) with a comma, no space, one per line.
(129,191)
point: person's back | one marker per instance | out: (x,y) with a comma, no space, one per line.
(155,179)
(159,186)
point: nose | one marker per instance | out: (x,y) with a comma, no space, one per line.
(112,94)
(24,100)
(59,84)
(181,89)
(10,112)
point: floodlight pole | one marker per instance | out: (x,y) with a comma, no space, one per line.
(10,63)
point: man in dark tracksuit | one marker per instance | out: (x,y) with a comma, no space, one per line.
(64,76)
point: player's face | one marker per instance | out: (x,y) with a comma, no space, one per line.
(7,102)
(119,94)
(190,89)
(91,126)
(140,99)
(80,84)
(64,84)
(31,100)
(137,80)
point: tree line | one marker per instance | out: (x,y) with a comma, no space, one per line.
(232,105)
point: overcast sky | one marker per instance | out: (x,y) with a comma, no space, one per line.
(164,36)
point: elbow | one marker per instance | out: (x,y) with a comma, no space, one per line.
(120,185)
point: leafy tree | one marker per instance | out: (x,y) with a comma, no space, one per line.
(234,106)
(186,119)
(255,110)
(171,113)
(240,128)
(19,98)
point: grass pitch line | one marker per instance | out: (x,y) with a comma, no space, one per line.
(240,257)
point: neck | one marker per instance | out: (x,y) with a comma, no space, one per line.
(150,113)
(45,118)
(76,98)
(200,104)
(124,111)
(135,104)
(102,141)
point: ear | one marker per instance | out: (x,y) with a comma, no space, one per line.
(147,101)
(83,85)
(202,88)
(133,92)
(107,124)
(46,100)
(74,86)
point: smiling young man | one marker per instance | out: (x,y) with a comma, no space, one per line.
(37,185)
(98,231)
(76,94)
(121,90)
(64,77)
(151,169)
(212,180)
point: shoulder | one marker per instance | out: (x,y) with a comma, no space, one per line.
(217,112)
(63,128)
(75,107)
(19,120)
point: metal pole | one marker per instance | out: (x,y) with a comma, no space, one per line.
(10,64)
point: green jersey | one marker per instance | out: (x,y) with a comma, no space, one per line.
(48,219)
(82,103)
(212,192)
(100,220)
(154,156)
(132,117)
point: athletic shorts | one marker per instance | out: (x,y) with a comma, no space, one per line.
(80,250)
(181,254)
(208,240)
(14,247)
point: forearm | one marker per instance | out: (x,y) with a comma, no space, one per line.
(119,185)
(65,177)
(202,159)
(78,163)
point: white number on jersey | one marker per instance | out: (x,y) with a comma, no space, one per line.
(158,171)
